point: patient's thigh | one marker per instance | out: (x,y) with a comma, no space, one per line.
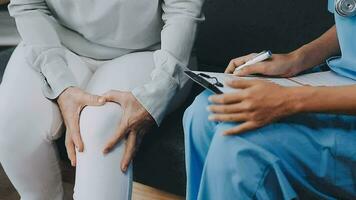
(124,73)
(22,103)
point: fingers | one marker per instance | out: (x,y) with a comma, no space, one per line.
(227,109)
(119,135)
(259,68)
(71,150)
(114,96)
(94,100)
(242,84)
(236,117)
(130,150)
(244,127)
(227,98)
(73,128)
(234,63)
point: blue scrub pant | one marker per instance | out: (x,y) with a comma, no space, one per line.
(306,156)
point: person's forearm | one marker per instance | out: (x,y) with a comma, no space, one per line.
(317,51)
(340,100)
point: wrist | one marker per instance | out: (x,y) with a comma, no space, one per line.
(298,98)
(300,59)
(66,92)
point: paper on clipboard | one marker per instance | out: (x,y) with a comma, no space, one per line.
(328,78)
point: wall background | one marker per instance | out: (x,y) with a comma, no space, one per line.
(238,27)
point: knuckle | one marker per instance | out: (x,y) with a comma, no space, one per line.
(253,116)
(227,109)
(231,63)
(223,100)
(232,117)
(68,145)
(258,123)
(92,98)
(247,94)
(224,109)
(263,68)
(248,106)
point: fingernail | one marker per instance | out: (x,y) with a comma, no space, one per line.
(101,100)
(124,168)
(106,151)
(73,164)
(208,108)
(210,98)
(211,118)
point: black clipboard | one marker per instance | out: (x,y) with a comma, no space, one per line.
(203,82)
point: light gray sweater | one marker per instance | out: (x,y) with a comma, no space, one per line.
(107,29)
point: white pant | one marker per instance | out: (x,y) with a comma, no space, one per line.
(29,123)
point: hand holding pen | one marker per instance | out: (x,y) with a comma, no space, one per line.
(266,63)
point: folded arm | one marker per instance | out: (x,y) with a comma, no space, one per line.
(177,37)
(44,50)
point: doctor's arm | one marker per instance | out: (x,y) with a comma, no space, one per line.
(290,64)
(259,103)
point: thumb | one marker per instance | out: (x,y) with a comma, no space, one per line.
(94,100)
(259,68)
(114,96)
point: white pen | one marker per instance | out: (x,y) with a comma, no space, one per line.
(264,55)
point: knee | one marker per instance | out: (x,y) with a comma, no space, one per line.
(98,124)
(237,154)
(198,129)
(197,114)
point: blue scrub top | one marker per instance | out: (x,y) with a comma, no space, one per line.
(346,31)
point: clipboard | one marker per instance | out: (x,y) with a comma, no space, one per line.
(203,82)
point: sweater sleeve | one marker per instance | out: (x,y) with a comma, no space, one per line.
(331,6)
(44,51)
(181,18)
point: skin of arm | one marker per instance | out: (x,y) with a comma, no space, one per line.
(291,64)
(259,103)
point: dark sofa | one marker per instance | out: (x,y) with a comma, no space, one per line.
(232,28)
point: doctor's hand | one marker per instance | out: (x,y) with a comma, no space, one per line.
(135,123)
(255,105)
(71,102)
(280,65)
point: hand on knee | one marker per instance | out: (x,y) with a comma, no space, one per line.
(71,102)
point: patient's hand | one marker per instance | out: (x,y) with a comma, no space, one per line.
(135,122)
(257,104)
(280,65)
(71,102)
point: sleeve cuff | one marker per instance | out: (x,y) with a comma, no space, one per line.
(57,77)
(331,6)
(167,79)
(155,97)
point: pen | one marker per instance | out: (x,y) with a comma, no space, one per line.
(264,55)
